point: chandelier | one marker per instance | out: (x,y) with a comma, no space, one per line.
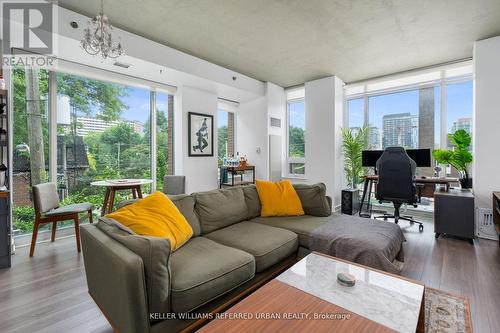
(97,37)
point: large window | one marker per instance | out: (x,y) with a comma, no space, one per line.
(414,112)
(296,137)
(31,141)
(225,135)
(104,131)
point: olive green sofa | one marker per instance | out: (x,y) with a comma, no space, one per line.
(141,286)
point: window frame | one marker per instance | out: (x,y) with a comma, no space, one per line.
(442,83)
(290,160)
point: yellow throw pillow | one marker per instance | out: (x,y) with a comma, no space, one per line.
(278,199)
(156,215)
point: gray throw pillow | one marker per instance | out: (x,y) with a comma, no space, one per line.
(313,199)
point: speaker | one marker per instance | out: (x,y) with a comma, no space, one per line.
(350,202)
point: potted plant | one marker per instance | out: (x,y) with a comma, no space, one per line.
(460,157)
(353,144)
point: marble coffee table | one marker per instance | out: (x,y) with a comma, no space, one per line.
(307,297)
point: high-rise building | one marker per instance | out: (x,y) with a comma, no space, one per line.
(88,124)
(374,138)
(400,129)
(462,123)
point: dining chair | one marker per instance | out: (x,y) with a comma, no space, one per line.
(48,210)
(174,184)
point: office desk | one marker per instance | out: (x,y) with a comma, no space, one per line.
(369,180)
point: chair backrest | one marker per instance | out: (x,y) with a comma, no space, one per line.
(174,184)
(396,176)
(45,197)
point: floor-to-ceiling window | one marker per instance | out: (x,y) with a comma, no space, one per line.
(31,141)
(164,137)
(225,135)
(103,131)
(296,144)
(417,111)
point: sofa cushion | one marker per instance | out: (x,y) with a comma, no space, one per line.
(219,208)
(185,204)
(301,225)
(267,244)
(278,198)
(203,270)
(313,199)
(155,254)
(252,200)
(157,216)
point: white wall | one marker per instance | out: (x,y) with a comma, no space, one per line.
(252,135)
(276,108)
(486,131)
(200,172)
(324,117)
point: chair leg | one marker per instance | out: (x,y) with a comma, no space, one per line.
(54,227)
(91,218)
(77,232)
(33,238)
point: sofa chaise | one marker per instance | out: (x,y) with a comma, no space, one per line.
(141,286)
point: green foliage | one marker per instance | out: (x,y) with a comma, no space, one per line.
(23,218)
(460,157)
(296,142)
(221,144)
(352,146)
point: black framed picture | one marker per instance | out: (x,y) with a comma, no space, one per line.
(200,134)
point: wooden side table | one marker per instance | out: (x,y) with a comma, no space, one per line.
(112,186)
(233,171)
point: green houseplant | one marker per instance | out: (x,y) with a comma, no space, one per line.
(460,157)
(353,144)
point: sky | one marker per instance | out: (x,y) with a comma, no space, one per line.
(296,114)
(458,105)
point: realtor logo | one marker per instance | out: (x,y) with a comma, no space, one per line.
(27,27)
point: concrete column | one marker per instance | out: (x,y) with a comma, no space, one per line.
(426,124)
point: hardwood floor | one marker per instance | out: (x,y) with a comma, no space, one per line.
(48,293)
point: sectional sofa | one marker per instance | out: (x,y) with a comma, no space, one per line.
(141,286)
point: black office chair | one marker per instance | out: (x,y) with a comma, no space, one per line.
(396,182)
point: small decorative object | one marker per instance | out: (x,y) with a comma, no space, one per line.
(437,171)
(243,161)
(97,37)
(2,107)
(346,279)
(2,83)
(200,134)
(460,157)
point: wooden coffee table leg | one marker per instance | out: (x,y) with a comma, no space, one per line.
(139,191)
(111,202)
(421,317)
(134,192)
(105,203)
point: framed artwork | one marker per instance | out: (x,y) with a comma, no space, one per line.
(200,134)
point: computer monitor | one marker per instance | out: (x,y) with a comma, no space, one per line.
(422,157)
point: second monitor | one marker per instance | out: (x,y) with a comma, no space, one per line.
(421,156)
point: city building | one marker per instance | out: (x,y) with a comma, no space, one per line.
(400,129)
(462,123)
(88,124)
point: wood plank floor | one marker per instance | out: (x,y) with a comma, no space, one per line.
(48,292)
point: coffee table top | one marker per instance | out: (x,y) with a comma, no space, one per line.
(386,299)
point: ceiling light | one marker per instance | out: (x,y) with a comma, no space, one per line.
(97,37)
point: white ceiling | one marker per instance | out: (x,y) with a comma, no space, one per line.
(289,42)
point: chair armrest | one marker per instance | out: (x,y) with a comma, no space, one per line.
(116,282)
